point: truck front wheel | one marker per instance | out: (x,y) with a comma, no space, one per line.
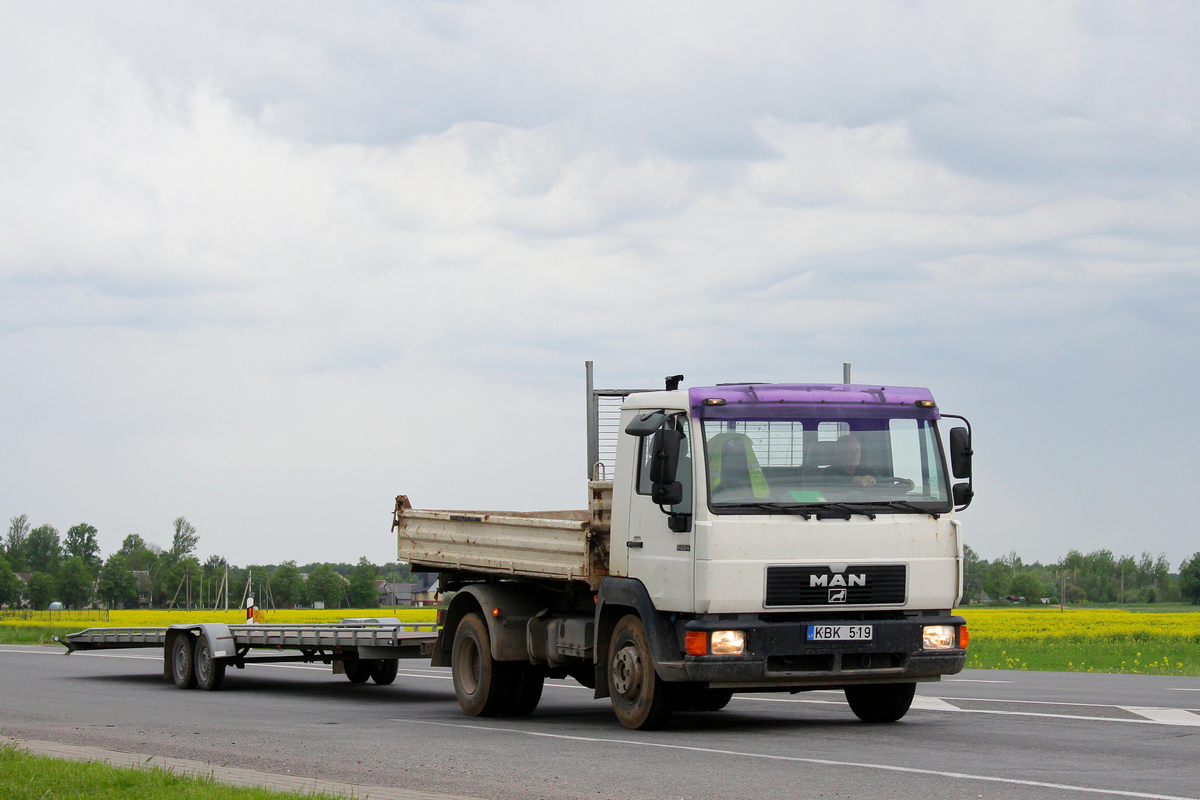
(641,700)
(479,680)
(884,702)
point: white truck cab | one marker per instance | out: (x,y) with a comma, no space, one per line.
(753,537)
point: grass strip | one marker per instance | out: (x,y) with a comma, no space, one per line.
(24,776)
(1166,655)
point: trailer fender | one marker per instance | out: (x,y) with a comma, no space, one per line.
(506,608)
(220,641)
(618,597)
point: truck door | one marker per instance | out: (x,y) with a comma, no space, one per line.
(662,558)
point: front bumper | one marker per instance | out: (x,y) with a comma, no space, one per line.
(779,654)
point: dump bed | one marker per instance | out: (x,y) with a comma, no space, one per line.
(556,545)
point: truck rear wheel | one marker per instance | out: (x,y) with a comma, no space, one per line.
(884,702)
(182,656)
(358,670)
(479,680)
(383,670)
(640,699)
(210,672)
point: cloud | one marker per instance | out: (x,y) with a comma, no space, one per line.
(277,267)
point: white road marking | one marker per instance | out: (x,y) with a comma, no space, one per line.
(1167,716)
(1176,689)
(1152,716)
(799,759)
(973,680)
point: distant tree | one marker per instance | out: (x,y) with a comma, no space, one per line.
(361,590)
(16,542)
(286,585)
(10,584)
(184,542)
(997,580)
(117,587)
(44,550)
(974,570)
(81,542)
(1189,578)
(42,590)
(133,542)
(1027,585)
(75,583)
(326,586)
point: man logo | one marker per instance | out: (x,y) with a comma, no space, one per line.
(837,580)
(837,595)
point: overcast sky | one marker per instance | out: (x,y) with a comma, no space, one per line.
(268,265)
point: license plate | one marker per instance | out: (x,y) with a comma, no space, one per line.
(839,633)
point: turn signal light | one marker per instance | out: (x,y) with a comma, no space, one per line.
(695,643)
(495,612)
(963,637)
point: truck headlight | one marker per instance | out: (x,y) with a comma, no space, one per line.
(938,637)
(728,643)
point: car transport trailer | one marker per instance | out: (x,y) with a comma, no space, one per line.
(197,654)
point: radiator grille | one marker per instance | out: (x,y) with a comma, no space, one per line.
(874,584)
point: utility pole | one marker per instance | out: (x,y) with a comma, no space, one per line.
(845,372)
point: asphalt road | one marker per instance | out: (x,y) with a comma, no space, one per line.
(975,735)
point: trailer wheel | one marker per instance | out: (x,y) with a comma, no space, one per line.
(479,680)
(884,702)
(699,698)
(209,671)
(524,690)
(358,670)
(641,700)
(181,661)
(383,670)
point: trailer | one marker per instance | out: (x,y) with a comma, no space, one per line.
(197,654)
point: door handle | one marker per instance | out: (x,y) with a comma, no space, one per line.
(633,544)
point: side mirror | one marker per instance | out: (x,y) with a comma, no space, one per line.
(665,451)
(960,453)
(667,494)
(962,495)
(646,424)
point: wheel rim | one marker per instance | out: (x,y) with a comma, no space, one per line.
(472,665)
(627,672)
(203,662)
(181,662)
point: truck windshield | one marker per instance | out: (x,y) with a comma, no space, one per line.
(881,465)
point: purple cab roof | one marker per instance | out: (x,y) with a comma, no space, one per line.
(782,400)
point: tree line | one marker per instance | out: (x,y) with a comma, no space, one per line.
(71,570)
(1095,577)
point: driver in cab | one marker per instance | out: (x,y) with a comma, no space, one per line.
(845,465)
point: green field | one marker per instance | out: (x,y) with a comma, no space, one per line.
(29,777)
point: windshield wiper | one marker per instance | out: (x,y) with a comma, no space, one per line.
(788,508)
(904,505)
(805,510)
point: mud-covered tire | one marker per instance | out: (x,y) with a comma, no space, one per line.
(209,671)
(358,670)
(383,670)
(182,659)
(640,699)
(524,687)
(481,683)
(884,702)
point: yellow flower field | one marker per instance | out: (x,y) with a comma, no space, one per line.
(1105,623)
